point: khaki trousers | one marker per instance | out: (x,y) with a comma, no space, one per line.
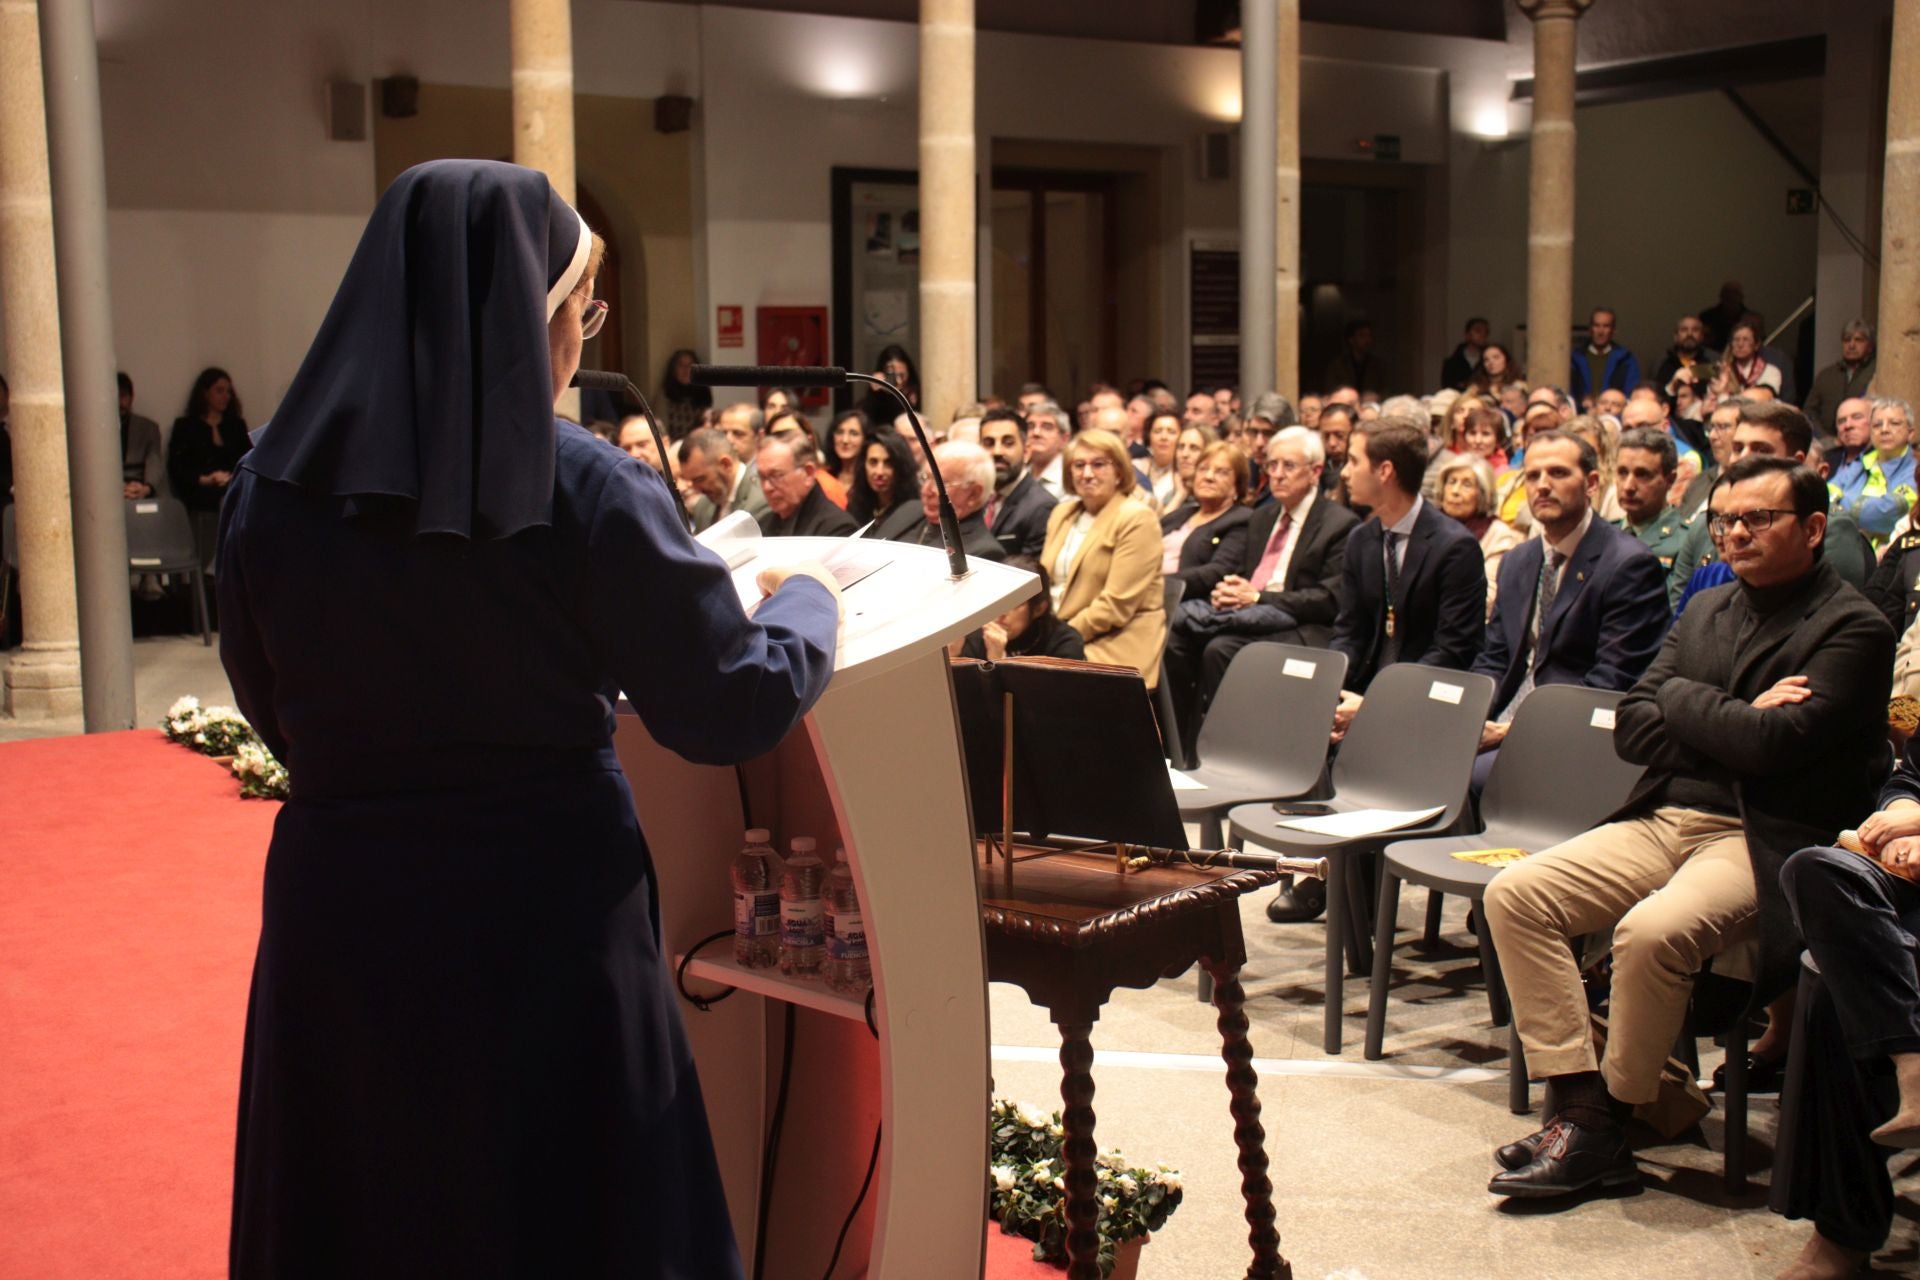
(1676,887)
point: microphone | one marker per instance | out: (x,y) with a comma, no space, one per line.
(602,380)
(781,375)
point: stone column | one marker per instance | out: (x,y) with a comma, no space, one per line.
(542,52)
(948,302)
(1258,168)
(1550,190)
(42,680)
(1286,202)
(1899,328)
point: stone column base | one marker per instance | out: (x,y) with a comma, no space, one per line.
(42,682)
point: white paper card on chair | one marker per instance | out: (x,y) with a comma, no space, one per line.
(1603,718)
(1361,822)
(1444,692)
(146,508)
(1181,782)
(1298,668)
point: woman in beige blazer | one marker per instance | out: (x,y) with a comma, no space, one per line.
(1103,550)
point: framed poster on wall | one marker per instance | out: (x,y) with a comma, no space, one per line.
(1213,313)
(876,268)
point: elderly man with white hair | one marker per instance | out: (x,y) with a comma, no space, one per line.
(968,471)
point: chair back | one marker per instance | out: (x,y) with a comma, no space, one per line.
(1557,774)
(1172,592)
(159,536)
(1271,716)
(1413,743)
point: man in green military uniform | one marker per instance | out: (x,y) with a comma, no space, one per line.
(1642,478)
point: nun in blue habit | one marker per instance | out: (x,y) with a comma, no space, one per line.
(463,1055)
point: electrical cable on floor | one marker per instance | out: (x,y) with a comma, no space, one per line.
(770,1155)
(872,1161)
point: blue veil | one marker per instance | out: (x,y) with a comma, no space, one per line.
(430,379)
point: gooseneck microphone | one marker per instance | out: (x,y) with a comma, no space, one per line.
(780,375)
(601,380)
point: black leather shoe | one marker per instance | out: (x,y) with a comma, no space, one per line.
(1297,903)
(1764,1075)
(1570,1159)
(1517,1155)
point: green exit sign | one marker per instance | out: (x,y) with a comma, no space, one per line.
(1800,202)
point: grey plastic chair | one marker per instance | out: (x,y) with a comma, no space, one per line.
(1411,746)
(1172,591)
(1557,775)
(1266,736)
(160,540)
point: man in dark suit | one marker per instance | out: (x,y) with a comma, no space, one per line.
(968,472)
(1286,588)
(1018,507)
(1415,584)
(1585,604)
(1762,724)
(796,504)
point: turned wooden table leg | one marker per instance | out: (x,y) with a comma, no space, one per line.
(1076,1117)
(1248,1135)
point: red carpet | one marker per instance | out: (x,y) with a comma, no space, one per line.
(129,907)
(131,903)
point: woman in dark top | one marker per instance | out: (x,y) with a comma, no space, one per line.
(203,451)
(1205,539)
(1027,630)
(684,401)
(886,489)
(896,366)
(463,1054)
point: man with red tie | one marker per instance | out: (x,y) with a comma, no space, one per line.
(1286,591)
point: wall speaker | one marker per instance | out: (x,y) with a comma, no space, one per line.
(672,113)
(1216,156)
(400,97)
(346,111)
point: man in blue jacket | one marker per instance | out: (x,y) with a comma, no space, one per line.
(1602,364)
(1586,603)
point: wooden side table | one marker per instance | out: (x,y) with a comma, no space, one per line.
(1069,928)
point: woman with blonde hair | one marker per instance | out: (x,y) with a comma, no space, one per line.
(1602,431)
(1103,549)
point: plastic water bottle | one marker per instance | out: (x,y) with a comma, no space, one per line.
(847,966)
(802,917)
(756,904)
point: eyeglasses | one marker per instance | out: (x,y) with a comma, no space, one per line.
(1286,467)
(593,318)
(1092,464)
(1758,520)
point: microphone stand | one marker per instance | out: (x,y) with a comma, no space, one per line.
(949,522)
(603,380)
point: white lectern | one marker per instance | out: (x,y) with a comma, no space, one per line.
(878,769)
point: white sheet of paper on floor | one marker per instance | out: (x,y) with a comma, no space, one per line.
(1444,692)
(1181,782)
(1298,668)
(1603,718)
(1361,822)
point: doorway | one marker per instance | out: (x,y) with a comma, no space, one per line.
(1055,280)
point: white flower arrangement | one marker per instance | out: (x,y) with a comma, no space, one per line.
(223,732)
(1028,1192)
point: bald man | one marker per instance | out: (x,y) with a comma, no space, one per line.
(968,470)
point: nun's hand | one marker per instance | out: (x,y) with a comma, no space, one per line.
(771,579)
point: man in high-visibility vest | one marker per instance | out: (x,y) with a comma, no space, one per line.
(1883,489)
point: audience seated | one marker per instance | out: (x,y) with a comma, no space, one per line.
(788,471)
(721,482)
(848,438)
(1849,377)
(1103,552)
(790,424)
(1048,430)
(1762,724)
(1582,604)
(968,471)
(1017,509)
(1335,424)
(203,449)
(635,438)
(1858,914)
(1643,477)
(886,495)
(1603,364)
(142,466)
(1205,538)
(1029,629)
(1159,468)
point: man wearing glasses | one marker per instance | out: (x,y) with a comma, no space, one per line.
(1762,724)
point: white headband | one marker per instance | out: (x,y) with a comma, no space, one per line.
(575,269)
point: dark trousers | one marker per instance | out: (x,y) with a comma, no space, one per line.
(1858,921)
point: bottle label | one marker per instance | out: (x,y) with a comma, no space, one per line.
(756,913)
(846,936)
(802,922)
